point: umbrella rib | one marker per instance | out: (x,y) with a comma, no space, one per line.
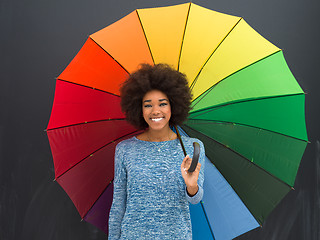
(212,108)
(278,179)
(75,124)
(97,199)
(199,98)
(246,125)
(128,134)
(205,214)
(195,79)
(144,33)
(184,32)
(109,55)
(63,80)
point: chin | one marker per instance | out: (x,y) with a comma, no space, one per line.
(156,126)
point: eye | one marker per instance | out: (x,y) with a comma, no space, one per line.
(147,105)
(163,104)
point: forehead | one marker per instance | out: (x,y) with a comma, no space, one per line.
(155,95)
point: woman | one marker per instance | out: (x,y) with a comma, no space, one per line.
(152,187)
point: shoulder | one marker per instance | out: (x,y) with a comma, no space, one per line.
(124,144)
(189,140)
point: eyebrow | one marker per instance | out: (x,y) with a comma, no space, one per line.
(160,100)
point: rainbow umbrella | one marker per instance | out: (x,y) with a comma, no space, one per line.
(248,110)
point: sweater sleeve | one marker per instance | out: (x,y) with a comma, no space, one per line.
(119,195)
(197,198)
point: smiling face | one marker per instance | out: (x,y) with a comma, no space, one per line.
(156,110)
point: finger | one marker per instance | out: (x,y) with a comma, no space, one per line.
(186,158)
(199,166)
(186,161)
(183,169)
(187,165)
(183,162)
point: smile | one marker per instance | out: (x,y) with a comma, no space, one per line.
(156,119)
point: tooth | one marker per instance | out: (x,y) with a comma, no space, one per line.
(156,119)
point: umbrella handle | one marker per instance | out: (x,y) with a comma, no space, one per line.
(196,152)
(195,157)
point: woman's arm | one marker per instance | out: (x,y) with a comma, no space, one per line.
(119,195)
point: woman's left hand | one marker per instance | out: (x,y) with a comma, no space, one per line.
(190,179)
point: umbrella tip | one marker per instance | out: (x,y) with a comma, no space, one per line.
(54,180)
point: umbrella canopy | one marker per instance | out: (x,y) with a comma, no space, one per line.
(248,110)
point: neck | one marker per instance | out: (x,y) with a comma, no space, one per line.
(159,135)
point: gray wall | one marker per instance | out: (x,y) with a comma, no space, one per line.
(40,37)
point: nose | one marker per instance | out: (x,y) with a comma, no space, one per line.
(155,110)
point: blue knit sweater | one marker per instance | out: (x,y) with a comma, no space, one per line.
(150,199)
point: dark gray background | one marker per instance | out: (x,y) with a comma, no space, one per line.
(40,37)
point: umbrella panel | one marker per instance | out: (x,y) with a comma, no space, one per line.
(198,218)
(284,115)
(269,77)
(114,40)
(167,24)
(242,47)
(95,68)
(93,174)
(99,213)
(74,104)
(205,30)
(226,213)
(72,144)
